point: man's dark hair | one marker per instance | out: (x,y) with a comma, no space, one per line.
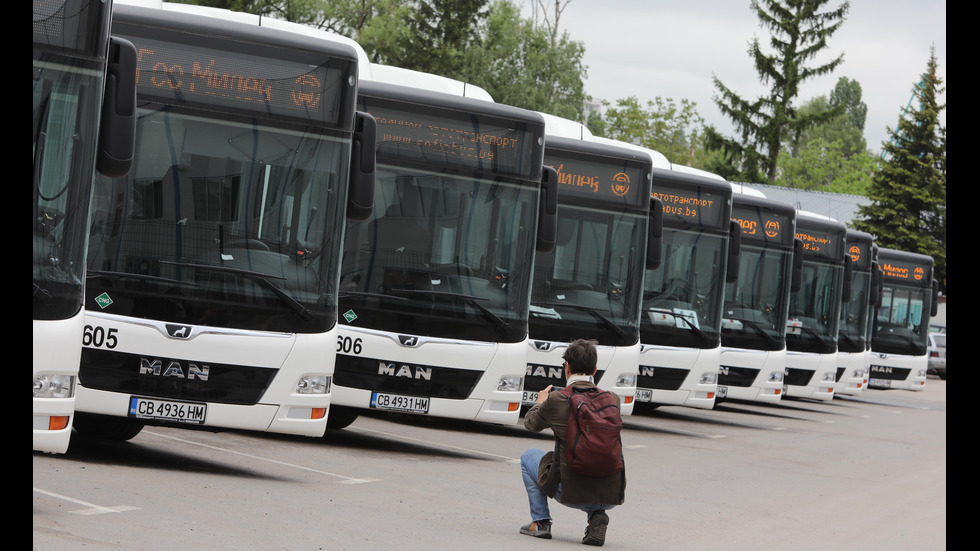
(581,356)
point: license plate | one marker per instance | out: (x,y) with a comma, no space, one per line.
(722,392)
(880,383)
(530,398)
(644,395)
(193,413)
(397,402)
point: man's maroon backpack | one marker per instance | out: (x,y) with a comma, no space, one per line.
(592,438)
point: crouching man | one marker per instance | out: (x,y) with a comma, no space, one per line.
(591,478)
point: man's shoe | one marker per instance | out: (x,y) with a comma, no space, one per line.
(537,529)
(595,532)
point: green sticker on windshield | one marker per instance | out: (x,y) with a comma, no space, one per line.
(103,300)
(350,316)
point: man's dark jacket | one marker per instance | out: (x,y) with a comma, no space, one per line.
(575,488)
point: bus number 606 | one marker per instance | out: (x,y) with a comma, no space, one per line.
(347,345)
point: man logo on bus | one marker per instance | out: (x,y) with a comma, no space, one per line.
(178,331)
(772,228)
(919,273)
(855,252)
(621,184)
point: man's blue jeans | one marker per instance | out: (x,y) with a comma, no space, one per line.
(538,500)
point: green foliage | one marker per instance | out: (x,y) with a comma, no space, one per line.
(527,65)
(799,31)
(826,166)
(838,129)
(676,130)
(908,193)
(438,36)
(830,156)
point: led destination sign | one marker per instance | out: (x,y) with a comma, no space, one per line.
(595,178)
(858,252)
(906,271)
(687,206)
(760,224)
(469,141)
(821,244)
(189,75)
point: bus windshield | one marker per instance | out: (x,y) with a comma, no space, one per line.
(67,95)
(755,308)
(813,310)
(589,285)
(682,299)
(854,315)
(903,320)
(443,256)
(221,222)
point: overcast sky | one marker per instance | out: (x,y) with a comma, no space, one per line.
(671,48)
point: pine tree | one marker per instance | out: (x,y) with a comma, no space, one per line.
(908,194)
(799,31)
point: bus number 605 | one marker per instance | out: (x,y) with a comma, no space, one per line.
(97,336)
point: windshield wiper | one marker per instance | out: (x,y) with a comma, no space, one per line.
(469,299)
(42,295)
(591,310)
(683,318)
(845,336)
(372,295)
(757,328)
(262,279)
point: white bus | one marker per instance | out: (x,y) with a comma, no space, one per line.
(814,310)
(213,268)
(591,285)
(435,283)
(854,338)
(899,344)
(80,124)
(753,337)
(680,325)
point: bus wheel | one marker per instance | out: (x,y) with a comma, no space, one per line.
(104,427)
(340,417)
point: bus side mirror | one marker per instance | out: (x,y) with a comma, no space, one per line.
(360,188)
(845,295)
(117,128)
(877,289)
(797,265)
(734,251)
(547,211)
(934,311)
(655,240)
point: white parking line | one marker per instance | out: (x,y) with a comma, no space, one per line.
(344,479)
(92,509)
(438,444)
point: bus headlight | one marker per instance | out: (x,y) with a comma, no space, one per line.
(921,373)
(709,378)
(510,383)
(313,384)
(48,385)
(776,377)
(626,380)
(829,377)
(859,373)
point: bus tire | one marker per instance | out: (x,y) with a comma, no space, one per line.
(340,417)
(104,427)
